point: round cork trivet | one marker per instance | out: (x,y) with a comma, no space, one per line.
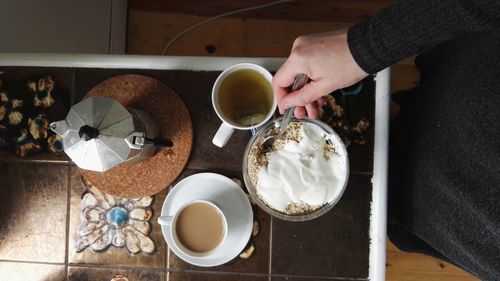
(149,176)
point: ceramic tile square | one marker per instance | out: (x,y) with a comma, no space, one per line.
(43,157)
(112,255)
(16,85)
(14,271)
(33,201)
(359,105)
(183,276)
(334,245)
(361,158)
(195,88)
(76,273)
(258,262)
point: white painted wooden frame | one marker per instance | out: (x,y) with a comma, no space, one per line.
(378,216)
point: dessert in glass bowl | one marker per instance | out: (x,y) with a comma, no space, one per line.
(302,176)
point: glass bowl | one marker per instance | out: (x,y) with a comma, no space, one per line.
(257,139)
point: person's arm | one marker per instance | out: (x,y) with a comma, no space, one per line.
(340,59)
(409,27)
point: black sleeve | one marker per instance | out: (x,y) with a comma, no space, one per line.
(408,27)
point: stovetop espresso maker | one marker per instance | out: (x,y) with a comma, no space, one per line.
(99,133)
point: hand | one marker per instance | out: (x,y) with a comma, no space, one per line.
(326,59)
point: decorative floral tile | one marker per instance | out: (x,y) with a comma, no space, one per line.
(109,230)
(110,220)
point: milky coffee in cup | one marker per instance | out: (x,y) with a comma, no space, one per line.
(199,227)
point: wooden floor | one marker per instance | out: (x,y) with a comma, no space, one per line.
(270,33)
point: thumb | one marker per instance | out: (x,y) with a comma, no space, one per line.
(306,95)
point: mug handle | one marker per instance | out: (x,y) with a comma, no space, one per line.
(222,136)
(165,220)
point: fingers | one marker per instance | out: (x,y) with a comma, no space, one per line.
(283,78)
(280,93)
(320,102)
(309,93)
(300,112)
(312,110)
(305,98)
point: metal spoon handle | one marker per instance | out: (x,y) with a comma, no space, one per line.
(300,81)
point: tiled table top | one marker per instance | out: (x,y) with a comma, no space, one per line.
(40,200)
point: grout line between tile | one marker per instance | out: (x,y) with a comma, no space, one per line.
(167,256)
(167,261)
(122,267)
(33,262)
(110,24)
(360,173)
(201,168)
(73,87)
(318,277)
(219,272)
(269,270)
(68,208)
(37,161)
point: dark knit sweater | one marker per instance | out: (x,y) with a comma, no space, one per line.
(444,176)
(410,27)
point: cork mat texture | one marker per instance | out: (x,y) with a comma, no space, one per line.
(154,174)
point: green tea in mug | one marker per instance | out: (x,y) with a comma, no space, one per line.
(245,97)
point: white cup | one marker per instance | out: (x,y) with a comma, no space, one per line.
(171,223)
(227,127)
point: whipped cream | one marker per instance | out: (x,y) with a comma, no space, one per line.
(303,173)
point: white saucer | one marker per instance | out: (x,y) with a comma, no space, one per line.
(232,201)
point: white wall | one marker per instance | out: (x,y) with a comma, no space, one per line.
(63,26)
